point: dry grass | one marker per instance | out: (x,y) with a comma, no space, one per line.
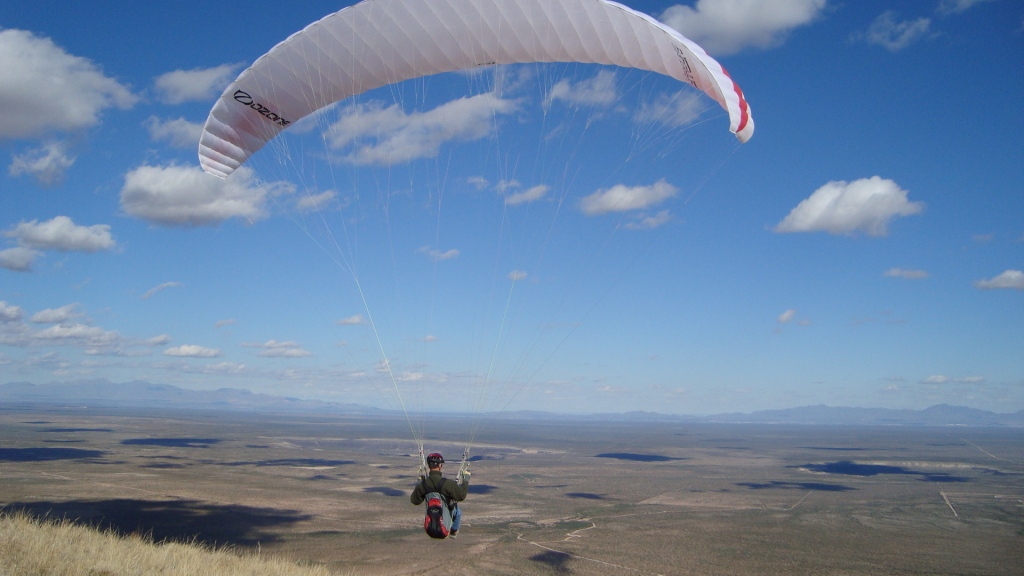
(33,547)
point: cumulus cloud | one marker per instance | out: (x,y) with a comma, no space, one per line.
(178,132)
(276,349)
(675,110)
(45,89)
(597,91)
(729,26)
(18,259)
(373,134)
(354,320)
(161,340)
(650,222)
(193,351)
(187,196)
(906,274)
(526,196)
(947,7)
(199,84)
(160,288)
(787,316)
(77,333)
(1008,280)
(866,205)
(9,312)
(62,234)
(478,182)
(47,163)
(225,322)
(892,34)
(437,255)
(622,198)
(57,315)
(317,202)
(943,379)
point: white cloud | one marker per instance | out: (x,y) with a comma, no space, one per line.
(428,338)
(149,293)
(18,259)
(839,207)
(57,315)
(935,379)
(45,89)
(597,91)
(193,351)
(516,275)
(971,380)
(9,312)
(354,320)
(503,186)
(161,340)
(728,26)
(437,255)
(179,132)
(383,136)
(622,198)
(62,234)
(187,196)
(477,182)
(947,7)
(225,322)
(650,222)
(787,316)
(894,35)
(906,274)
(199,84)
(276,349)
(675,110)
(1008,280)
(527,196)
(317,202)
(67,333)
(47,163)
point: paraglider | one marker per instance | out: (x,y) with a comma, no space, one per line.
(377,43)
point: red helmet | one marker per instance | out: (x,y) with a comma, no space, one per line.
(434,459)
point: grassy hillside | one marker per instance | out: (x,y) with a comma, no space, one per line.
(32,547)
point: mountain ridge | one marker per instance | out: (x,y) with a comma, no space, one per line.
(143,394)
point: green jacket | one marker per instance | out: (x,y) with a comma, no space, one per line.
(451,489)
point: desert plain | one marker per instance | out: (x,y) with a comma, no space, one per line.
(565,496)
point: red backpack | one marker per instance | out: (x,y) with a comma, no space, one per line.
(438,520)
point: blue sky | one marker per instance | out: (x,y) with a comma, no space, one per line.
(865,248)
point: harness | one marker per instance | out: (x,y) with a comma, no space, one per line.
(450,502)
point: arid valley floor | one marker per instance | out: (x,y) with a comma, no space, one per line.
(547,497)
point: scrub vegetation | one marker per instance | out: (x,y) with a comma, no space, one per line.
(30,546)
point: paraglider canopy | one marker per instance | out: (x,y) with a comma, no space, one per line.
(379,42)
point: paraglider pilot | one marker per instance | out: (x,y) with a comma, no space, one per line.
(451,491)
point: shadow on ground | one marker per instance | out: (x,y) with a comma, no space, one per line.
(586,495)
(631,456)
(47,454)
(172,442)
(558,561)
(819,486)
(174,520)
(294,462)
(384,490)
(850,468)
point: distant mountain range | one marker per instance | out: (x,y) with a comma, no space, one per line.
(140,394)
